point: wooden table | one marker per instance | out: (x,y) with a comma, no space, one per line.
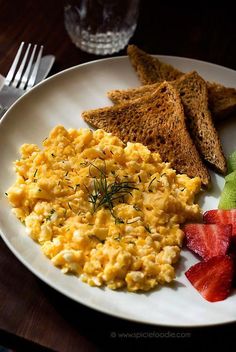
(34,317)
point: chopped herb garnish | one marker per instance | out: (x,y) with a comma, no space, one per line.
(66,173)
(96,238)
(6,194)
(48,218)
(35,173)
(163,174)
(132,222)
(136,207)
(69,206)
(111,152)
(119,221)
(71,187)
(131,242)
(77,186)
(118,238)
(23,222)
(39,190)
(140,180)
(147,228)
(113,172)
(45,139)
(53,155)
(183,189)
(105,194)
(151,183)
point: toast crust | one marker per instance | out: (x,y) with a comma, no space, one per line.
(222,100)
(150,69)
(158,122)
(194,96)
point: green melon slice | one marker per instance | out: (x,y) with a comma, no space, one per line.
(228,195)
(232,162)
(231,177)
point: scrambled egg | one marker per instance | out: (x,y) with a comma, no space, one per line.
(104,210)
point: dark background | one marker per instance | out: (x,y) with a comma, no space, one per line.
(32,315)
(201,29)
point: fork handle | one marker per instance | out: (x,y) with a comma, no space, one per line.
(2,111)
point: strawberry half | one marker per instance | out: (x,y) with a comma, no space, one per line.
(213,278)
(208,240)
(220,216)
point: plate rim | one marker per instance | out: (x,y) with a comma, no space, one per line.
(122,57)
(81,300)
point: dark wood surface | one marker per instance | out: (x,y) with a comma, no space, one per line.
(34,317)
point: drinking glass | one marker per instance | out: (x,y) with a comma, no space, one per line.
(101,26)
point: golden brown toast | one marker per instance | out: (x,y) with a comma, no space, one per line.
(121,96)
(222,100)
(157,121)
(150,69)
(194,95)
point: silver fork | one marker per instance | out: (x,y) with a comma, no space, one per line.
(21,76)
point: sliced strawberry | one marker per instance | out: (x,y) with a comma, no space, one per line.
(213,278)
(208,240)
(220,216)
(233,257)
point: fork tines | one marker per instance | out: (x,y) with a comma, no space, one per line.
(23,71)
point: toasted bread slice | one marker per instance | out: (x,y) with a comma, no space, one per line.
(126,95)
(194,96)
(222,100)
(150,69)
(156,120)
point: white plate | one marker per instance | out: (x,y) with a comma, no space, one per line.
(60,100)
